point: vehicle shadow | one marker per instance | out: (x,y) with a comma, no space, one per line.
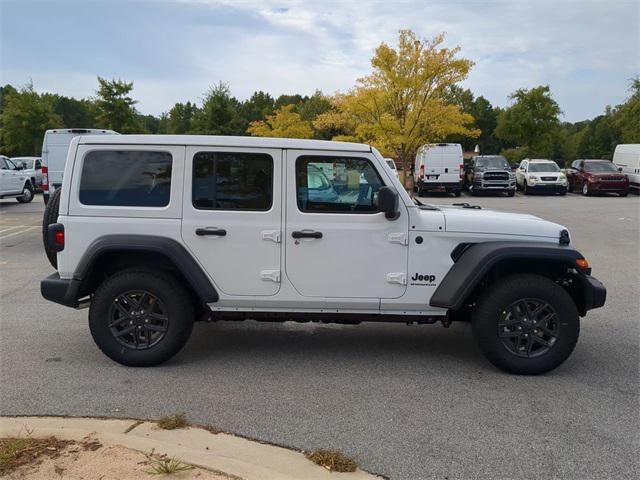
(293,343)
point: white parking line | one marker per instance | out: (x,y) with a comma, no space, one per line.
(17,233)
(12,228)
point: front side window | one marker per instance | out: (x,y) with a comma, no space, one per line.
(337,185)
(126,178)
(232,181)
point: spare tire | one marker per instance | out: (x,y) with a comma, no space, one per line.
(51,216)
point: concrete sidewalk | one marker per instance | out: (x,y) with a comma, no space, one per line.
(223,452)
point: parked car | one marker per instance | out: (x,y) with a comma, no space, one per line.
(540,175)
(150,261)
(392,165)
(55,146)
(596,176)
(490,173)
(14,182)
(438,168)
(627,157)
(33,167)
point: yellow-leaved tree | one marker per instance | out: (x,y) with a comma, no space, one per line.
(400,106)
(283,123)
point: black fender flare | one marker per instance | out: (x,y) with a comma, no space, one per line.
(477,259)
(168,247)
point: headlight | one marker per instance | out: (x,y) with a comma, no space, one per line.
(478,175)
(533,177)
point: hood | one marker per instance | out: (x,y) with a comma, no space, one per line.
(617,175)
(470,220)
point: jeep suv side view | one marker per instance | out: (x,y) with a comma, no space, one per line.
(490,173)
(155,232)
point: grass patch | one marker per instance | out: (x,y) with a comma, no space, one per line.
(172,422)
(332,460)
(167,466)
(16,452)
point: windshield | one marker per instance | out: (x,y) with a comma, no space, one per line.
(544,167)
(599,167)
(492,162)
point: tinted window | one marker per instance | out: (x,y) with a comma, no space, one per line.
(337,184)
(38,164)
(126,178)
(232,181)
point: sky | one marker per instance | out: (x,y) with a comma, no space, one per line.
(173,51)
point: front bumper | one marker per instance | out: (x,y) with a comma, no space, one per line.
(609,187)
(594,293)
(495,185)
(60,290)
(439,186)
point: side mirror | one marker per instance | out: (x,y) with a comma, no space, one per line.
(388,202)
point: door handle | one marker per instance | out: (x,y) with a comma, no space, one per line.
(214,232)
(303,234)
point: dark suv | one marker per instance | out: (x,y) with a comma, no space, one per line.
(596,176)
(490,173)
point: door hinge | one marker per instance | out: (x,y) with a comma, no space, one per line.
(270,275)
(273,235)
(397,277)
(401,238)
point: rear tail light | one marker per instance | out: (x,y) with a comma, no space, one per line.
(421,171)
(45,178)
(462,170)
(55,237)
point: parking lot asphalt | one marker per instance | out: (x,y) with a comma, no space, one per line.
(409,402)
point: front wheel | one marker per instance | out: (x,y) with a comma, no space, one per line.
(457,192)
(585,189)
(27,194)
(526,324)
(624,194)
(141,318)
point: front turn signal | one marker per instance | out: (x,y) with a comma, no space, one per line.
(582,263)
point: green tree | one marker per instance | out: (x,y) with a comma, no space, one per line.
(627,116)
(531,121)
(74,112)
(25,117)
(220,114)
(115,107)
(180,119)
(257,107)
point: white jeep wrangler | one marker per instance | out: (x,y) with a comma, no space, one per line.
(155,232)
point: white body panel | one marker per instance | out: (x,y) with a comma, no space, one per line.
(55,147)
(364,263)
(627,157)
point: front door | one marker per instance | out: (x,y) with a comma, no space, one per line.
(338,244)
(232,213)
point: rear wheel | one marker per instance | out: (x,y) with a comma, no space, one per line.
(27,194)
(526,324)
(51,216)
(141,318)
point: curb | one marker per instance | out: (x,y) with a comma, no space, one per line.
(221,452)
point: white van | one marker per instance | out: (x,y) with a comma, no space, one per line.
(54,155)
(627,158)
(439,168)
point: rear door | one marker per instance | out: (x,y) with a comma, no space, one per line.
(338,244)
(232,216)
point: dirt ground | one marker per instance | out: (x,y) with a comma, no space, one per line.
(76,461)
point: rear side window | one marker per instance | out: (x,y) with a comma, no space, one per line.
(232,181)
(124,178)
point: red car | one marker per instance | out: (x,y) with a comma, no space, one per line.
(596,176)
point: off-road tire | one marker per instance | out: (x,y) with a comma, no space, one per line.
(27,193)
(496,301)
(179,308)
(51,216)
